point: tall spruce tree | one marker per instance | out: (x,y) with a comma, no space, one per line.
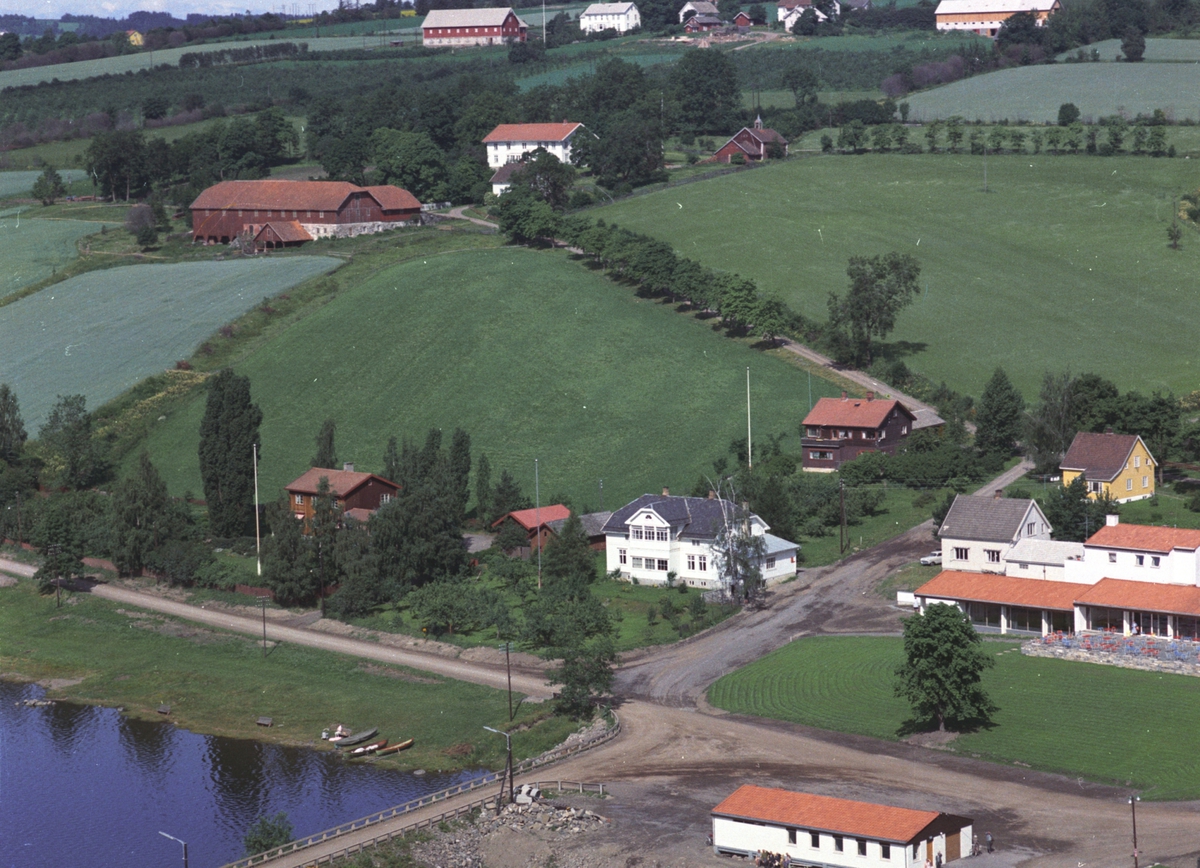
(507,496)
(324,528)
(287,557)
(228,436)
(143,517)
(72,459)
(460,471)
(999,418)
(483,489)
(12,426)
(568,554)
(326,453)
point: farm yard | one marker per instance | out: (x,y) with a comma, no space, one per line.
(527,351)
(102,332)
(1125,727)
(1042,272)
(33,250)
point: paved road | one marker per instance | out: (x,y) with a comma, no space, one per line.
(1006,478)
(459,213)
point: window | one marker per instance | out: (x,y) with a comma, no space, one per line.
(916,844)
(637,563)
(821,456)
(1095,487)
(841,433)
(814,432)
(691,562)
(837,843)
(1155,560)
(814,840)
(769,564)
(961,554)
(1145,482)
(663,565)
(1140,560)
(637,531)
(386,498)
(1029,529)
(299,498)
(622,556)
(695,542)
(993,555)
(885,851)
(1129,484)
(649,532)
(662,534)
(1137,461)
(703,563)
(1112,557)
(862,847)
(791,836)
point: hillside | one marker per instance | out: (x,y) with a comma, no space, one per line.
(530,353)
(1063,263)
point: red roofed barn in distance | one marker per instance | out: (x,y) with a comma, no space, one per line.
(295,209)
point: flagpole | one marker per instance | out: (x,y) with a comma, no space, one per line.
(749,446)
(537,495)
(257,531)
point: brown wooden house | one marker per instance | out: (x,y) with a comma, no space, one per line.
(840,429)
(357,494)
(536,522)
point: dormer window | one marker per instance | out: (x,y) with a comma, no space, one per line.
(637,531)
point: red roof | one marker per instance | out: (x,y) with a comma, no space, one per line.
(1143,596)
(1011,591)
(394,198)
(342,483)
(528,518)
(1141,537)
(826,814)
(271,195)
(531,132)
(853,412)
(285,230)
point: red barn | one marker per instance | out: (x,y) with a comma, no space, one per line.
(536,522)
(472,27)
(742,20)
(839,430)
(318,209)
(752,142)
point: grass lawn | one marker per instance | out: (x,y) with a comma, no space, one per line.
(220,684)
(1168,50)
(535,356)
(1107,724)
(896,515)
(1166,508)
(37,249)
(1064,263)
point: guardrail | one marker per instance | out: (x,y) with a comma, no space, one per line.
(416,804)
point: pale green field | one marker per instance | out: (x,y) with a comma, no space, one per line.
(35,249)
(102,332)
(785,99)
(19,183)
(1157,50)
(1034,93)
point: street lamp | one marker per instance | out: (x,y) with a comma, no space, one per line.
(177,841)
(1133,800)
(508,771)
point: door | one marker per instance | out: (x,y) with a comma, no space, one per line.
(929,851)
(953,845)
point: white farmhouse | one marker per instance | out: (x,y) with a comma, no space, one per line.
(978,532)
(807,829)
(621,17)
(655,535)
(507,143)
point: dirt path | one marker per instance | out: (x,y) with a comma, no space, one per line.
(459,213)
(1005,479)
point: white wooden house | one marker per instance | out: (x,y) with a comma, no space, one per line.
(621,17)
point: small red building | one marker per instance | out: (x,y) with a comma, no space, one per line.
(701,24)
(357,494)
(742,20)
(319,209)
(455,27)
(536,522)
(840,429)
(754,143)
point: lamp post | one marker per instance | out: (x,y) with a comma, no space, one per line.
(508,668)
(1133,800)
(508,770)
(177,841)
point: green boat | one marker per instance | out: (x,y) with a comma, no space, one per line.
(355,738)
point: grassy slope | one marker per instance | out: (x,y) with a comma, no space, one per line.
(1063,264)
(1054,715)
(37,249)
(511,345)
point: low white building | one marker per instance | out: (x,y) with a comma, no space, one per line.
(807,829)
(621,17)
(659,534)
(986,17)
(978,532)
(1041,558)
(788,12)
(1139,553)
(507,143)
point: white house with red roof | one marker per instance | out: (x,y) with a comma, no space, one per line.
(807,829)
(840,429)
(986,17)
(508,143)
(459,27)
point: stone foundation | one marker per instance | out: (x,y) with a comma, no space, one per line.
(1037,648)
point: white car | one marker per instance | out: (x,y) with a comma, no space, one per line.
(931,559)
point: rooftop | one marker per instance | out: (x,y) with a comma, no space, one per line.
(993,588)
(531,132)
(1045,551)
(529,518)
(1143,596)
(853,412)
(1142,537)
(963,7)
(985,518)
(269,195)
(607,9)
(701,517)
(491,17)
(593,523)
(1100,456)
(341,482)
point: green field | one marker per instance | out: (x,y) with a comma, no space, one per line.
(1112,725)
(1064,263)
(1157,50)
(35,250)
(20,183)
(1034,93)
(102,332)
(529,352)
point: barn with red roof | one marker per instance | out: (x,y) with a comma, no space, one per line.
(536,522)
(837,430)
(284,213)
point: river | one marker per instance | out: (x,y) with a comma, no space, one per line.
(87,786)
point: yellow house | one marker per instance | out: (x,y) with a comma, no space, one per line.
(1119,465)
(135,38)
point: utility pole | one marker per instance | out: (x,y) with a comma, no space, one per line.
(257,529)
(508,770)
(842,529)
(537,495)
(508,669)
(749,444)
(1133,800)
(264,616)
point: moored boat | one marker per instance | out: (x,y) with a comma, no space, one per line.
(396,748)
(355,738)
(369,748)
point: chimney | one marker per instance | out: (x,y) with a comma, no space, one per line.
(870,396)
(666,491)
(712,495)
(999,494)
(843,396)
(348,467)
(1112,520)
(1108,430)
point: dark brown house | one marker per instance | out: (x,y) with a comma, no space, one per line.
(358,494)
(841,429)
(754,143)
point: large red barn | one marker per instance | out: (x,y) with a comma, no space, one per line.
(456,27)
(295,209)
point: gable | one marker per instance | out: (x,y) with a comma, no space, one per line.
(986,519)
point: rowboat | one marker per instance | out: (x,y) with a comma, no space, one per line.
(396,748)
(355,738)
(369,748)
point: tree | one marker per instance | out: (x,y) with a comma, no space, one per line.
(326,453)
(324,528)
(143,517)
(1073,514)
(117,163)
(880,287)
(737,554)
(800,80)
(288,557)
(49,186)
(1174,233)
(585,672)
(391,461)
(942,672)
(12,426)
(1133,45)
(507,496)
(525,217)
(1050,426)
(547,177)
(483,489)
(410,160)
(631,151)
(59,538)
(771,318)
(460,472)
(706,88)
(852,136)
(267,833)
(1068,113)
(568,554)
(758,13)
(228,440)
(998,419)
(71,458)
(147,236)
(1021,28)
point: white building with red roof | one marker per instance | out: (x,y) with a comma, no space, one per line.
(986,17)
(508,143)
(837,430)
(807,829)
(459,27)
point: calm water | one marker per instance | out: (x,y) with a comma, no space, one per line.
(83,786)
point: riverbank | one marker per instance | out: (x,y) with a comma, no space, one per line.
(97,652)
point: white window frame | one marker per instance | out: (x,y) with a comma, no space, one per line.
(993,555)
(622,556)
(637,562)
(299,499)
(961,553)
(691,563)
(703,563)
(769,563)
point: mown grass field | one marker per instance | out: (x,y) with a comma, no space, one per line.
(1063,263)
(1111,725)
(36,250)
(20,183)
(530,353)
(219,684)
(1157,50)
(100,333)
(1034,93)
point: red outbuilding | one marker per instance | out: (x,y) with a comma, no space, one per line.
(754,143)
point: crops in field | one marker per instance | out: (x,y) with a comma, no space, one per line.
(532,354)
(99,333)
(1062,264)
(20,183)
(1034,93)
(33,250)
(1054,715)
(1157,50)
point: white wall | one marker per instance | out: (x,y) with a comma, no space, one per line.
(1178,567)
(620,23)
(502,153)
(735,836)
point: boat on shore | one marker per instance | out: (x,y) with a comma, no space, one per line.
(354,738)
(369,748)
(395,748)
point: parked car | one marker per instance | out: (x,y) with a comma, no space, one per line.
(931,559)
